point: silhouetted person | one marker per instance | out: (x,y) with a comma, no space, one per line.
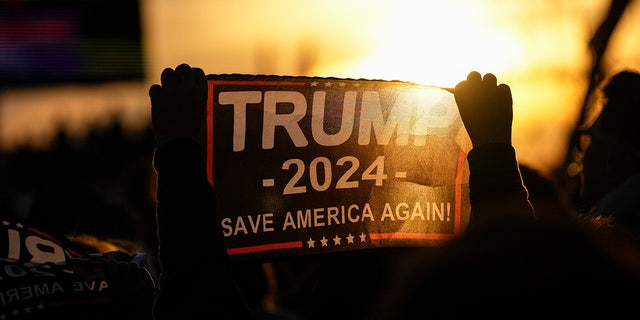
(196,280)
(511,263)
(508,259)
(610,151)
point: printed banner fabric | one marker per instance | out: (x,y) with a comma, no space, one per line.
(310,165)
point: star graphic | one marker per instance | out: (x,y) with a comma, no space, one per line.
(40,306)
(342,84)
(328,84)
(356,84)
(314,83)
(324,241)
(363,237)
(5,222)
(336,240)
(350,238)
(311,243)
(19,225)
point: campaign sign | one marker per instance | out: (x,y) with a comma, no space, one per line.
(311,165)
(47,276)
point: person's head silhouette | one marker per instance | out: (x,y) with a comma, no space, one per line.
(610,149)
(611,144)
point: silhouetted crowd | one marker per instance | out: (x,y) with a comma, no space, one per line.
(107,218)
(101,185)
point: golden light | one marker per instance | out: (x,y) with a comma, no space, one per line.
(435,43)
(539,48)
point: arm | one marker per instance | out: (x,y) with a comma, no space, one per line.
(496,190)
(196,279)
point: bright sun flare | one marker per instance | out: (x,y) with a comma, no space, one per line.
(434,43)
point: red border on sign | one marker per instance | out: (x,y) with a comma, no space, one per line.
(298,244)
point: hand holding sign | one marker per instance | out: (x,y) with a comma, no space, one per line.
(485,108)
(196,279)
(185,87)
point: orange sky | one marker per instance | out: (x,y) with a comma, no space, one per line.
(538,47)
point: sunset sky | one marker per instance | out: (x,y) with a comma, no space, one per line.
(538,47)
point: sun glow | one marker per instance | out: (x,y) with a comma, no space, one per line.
(435,43)
(539,48)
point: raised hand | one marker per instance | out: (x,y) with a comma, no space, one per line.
(486,109)
(178,105)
